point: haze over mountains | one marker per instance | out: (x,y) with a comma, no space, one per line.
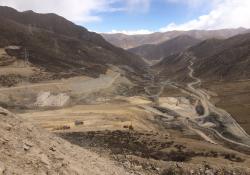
(131,41)
(166,48)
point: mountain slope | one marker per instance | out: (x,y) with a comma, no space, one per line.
(131,41)
(173,46)
(229,60)
(215,60)
(57,45)
(26,149)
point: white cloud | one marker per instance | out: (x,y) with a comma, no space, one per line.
(225,14)
(191,3)
(79,11)
(132,32)
(75,10)
(138,5)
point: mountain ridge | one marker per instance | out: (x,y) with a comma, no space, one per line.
(52,39)
(131,41)
(215,60)
(164,49)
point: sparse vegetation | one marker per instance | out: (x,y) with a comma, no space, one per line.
(11,80)
(63,127)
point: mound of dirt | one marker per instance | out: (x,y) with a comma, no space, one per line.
(27,149)
(48,99)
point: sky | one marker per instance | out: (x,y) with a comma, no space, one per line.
(144,16)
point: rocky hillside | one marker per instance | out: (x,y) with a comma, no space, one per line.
(131,41)
(167,48)
(57,44)
(26,149)
(230,59)
(214,60)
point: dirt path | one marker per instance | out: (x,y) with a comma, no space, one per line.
(30,86)
(80,84)
(231,124)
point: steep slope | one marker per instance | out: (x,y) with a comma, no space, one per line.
(26,149)
(173,46)
(131,41)
(56,44)
(215,59)
(230,60)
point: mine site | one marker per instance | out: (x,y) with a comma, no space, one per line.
(74,101)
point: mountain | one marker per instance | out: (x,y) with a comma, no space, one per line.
(131,41)
(59,45)
(215,59)
(164,49)
(230,59)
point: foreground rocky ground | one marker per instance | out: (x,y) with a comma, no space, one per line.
(27,149)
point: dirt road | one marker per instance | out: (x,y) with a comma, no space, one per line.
(228,121)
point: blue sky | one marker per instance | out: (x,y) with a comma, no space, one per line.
(158,15)
(144,16)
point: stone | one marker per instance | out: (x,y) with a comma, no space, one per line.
(2,168)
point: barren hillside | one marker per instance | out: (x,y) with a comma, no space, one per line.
(216,59)
(164,49)
(58,45)
(27,149)
(131,41)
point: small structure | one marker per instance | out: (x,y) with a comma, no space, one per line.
(13,47)
(78,122)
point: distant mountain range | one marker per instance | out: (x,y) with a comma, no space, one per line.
(215,59)
(164,49)
(132,41)
(59,45)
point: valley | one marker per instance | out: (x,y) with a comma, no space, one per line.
(174,102)
(157,123)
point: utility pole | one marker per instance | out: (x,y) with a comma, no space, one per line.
(30,28)
(26,57)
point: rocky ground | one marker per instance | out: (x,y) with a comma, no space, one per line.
(154,153)
(27,149)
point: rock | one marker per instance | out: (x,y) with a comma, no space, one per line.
(8,127)
(2,168)
(4,140)
(209,172)
(78,122)
(44,159)
(27,145)
(3,113)
(52,148)
(138,167)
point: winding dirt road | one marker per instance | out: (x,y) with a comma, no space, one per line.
(231,125)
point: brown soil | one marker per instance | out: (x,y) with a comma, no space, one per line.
(27,149)
(156,149)
(234,97)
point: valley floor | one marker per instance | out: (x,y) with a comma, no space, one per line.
(234,97)
(145,125)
